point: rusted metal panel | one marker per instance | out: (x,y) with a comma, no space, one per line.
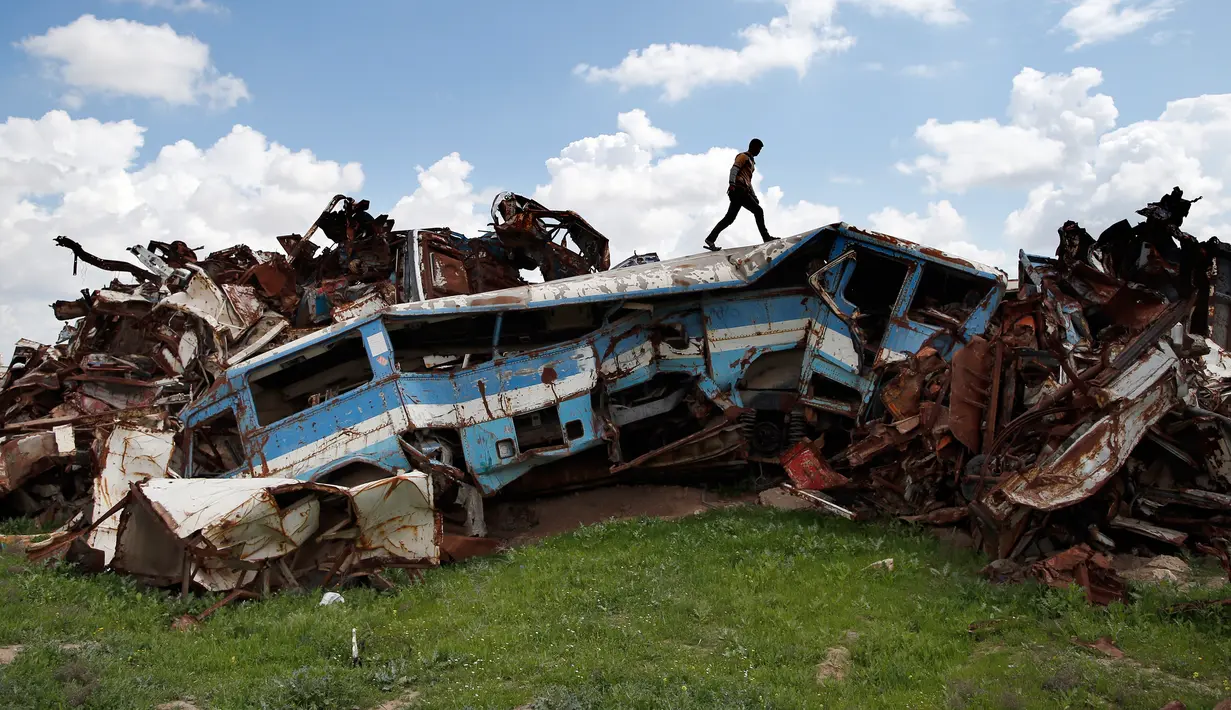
(129,455)
(68,310)
(522,223)
(233,528)
(901,395)
(206,300)
(363,306)
(877,440)
(722,442)
(455,548)
(396,520)
(1139,398)
(257,338)
(1156,532)
(810,472)
(971,393)
(1083,566)
(24,457)
(444,275)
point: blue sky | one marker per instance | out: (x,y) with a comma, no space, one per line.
(397,86)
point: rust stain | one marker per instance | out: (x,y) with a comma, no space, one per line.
(483,393)
(498,301)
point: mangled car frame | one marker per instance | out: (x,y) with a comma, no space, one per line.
(694,363)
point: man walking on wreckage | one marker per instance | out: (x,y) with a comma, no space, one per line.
(739,191)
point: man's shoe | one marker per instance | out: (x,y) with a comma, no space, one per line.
(711,246)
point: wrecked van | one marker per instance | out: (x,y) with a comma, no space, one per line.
(699,362)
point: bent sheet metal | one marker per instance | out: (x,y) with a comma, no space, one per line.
(224,532)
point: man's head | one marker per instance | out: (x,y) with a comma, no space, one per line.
(754,146)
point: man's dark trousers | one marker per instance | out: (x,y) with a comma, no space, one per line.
(740,198)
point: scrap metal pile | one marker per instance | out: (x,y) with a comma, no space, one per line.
(83,419)
(1090,419)
(1084,415)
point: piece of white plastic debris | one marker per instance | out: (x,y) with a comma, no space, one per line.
(331,598)
(882,564)
(65,443)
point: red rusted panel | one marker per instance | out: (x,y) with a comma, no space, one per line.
(808,470)
(25,457)
(455,548)
(901,394)
(446,275)
(1077,471)
(968,399)
(1082,565)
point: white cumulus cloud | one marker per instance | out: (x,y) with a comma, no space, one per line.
(1095,21)
(941,227)
(1052,120)
(1185,146)
(78,178)
(445,198)
(1063,150)
(789,41)
(627,185)
(126,58)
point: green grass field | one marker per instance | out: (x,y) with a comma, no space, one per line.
(730,609)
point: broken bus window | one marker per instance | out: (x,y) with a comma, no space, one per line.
(294,384)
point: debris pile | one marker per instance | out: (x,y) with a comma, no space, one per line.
(1081,417)
(1090,419)
(84,418)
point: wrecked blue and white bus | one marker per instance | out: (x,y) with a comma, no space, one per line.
(699,362)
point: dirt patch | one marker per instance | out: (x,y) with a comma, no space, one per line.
(780,499)
(8,654)
(177,705)
(836,665)
(1163,568)
(523,521)
(405,701)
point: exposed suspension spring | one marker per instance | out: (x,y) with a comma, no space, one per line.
(796,428)
(747,422)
